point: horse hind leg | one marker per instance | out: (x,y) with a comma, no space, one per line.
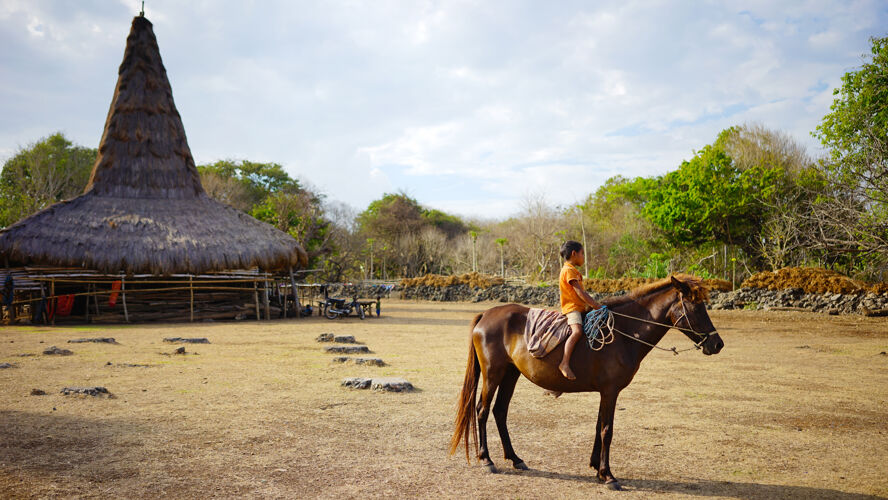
(491,379)
(501,413)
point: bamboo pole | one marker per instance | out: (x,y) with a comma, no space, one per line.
(45,303)
(191,294)
(88,288)
(295,294)
(123,296)
(95,300)
(267,305)
(53,297)
(256,300)
(282,295)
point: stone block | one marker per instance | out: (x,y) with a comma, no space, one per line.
(180,340)
(342,349)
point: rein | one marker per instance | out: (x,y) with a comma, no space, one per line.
(607,339)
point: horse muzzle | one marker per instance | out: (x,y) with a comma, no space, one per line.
(713,344)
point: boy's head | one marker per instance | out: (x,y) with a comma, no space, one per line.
(569,247)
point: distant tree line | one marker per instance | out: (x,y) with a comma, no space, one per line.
(753,199)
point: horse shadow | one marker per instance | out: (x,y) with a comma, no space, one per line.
(705,487)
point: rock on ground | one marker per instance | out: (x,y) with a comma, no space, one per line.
(6,365)
(387,384)
(88,391)
(325,337)
(357,383)
(343,349)
(105,340)
(359,361)
(58,352)
(180,340)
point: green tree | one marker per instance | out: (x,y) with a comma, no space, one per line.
(411,238)
(711,198)
(301,215)
(856,130)
(256,181)
(47,171)
(851,212)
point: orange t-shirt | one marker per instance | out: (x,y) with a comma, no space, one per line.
(570,301)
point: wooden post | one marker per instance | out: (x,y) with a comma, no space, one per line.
(88,287)
(45,302)
(295,294)
(123,297)
(191,292)
(267,305)
(284,296)
(256,300)
(55,307)
(95,300)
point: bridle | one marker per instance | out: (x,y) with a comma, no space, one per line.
(684,315)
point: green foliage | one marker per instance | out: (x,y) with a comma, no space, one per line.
(656,266)
(47,171)
(597,273)
(710,199)
(258,180)
(393,215)
(450,225)
(856,130)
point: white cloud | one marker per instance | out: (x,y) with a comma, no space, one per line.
(462,103)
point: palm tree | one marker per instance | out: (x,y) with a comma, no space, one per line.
(502,242)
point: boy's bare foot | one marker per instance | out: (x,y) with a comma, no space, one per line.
(554,394)
(567,372)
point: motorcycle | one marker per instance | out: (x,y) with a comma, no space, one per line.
(338,308)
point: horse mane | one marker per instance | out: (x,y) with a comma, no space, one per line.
(699,291)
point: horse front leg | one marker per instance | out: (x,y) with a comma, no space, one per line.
(595,459)
(604,435)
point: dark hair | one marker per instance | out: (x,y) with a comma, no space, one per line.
(569,247)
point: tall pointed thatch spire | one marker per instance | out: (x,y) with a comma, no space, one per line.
(144,209)
(144,153)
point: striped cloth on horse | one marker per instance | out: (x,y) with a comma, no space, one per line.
(544,330)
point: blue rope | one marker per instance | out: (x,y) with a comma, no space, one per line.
(593,322)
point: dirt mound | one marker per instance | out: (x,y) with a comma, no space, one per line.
(474,280)
(811,280)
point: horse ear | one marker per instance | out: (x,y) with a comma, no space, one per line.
(680,285)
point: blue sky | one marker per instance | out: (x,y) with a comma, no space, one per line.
(468,106)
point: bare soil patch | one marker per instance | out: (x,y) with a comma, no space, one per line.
(261,413)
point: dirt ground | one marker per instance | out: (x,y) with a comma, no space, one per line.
(795,406)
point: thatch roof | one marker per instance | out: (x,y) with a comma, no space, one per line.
(144,209)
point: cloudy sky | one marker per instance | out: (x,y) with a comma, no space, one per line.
(468,106)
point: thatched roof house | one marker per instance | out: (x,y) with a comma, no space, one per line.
(144,209)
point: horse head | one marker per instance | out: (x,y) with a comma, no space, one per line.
(688,315)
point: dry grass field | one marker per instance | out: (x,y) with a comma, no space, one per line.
(795,406)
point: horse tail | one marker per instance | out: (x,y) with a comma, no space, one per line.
(466,419)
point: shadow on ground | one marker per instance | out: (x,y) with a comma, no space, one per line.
(705,488)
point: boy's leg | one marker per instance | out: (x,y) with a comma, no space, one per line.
(576,331)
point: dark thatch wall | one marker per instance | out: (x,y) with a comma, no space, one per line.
(144,209)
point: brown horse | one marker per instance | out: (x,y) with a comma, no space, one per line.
(498,354)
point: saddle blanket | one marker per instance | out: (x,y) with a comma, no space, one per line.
(544,330)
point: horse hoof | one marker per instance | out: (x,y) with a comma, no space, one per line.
(521,466)
(489,468)
(613,485)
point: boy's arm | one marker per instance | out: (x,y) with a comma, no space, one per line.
(583,294)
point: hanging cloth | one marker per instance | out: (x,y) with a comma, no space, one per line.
(65,303)
(115,288)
